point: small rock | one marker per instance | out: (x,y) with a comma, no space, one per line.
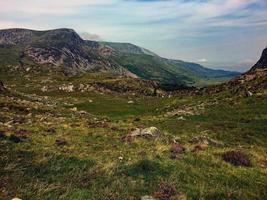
(44,89)
(147,132)
(130,102)
(151,131)
(16,198)
(249,94)
(181,118)
(74,109)
(82,112)
(120,158)
(147,198)
(176,139)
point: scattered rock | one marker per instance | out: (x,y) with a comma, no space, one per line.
(130,102)
(237,158)
(175,150)
(61,142)
(66,88)
(205,140)
(181,118)
(15,138)
(74,109)
(249,94)
(151,131)
(176,139)
(82,112)
(44,89)
(147,198)
(147,132)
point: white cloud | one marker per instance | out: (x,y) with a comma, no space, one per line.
(50,6)
(89,36)
(202,60)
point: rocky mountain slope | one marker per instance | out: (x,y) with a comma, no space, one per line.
(63,50)
(262,63)
(60,49)
(253,82)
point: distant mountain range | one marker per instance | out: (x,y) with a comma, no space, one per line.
(65,51)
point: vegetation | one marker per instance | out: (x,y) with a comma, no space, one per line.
(68,145)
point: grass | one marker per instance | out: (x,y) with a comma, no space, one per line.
(96,164)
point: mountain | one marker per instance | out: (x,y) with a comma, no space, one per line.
(128,48)
(60,49)
(252,82)
(149,65)
(262,63)
(64,51)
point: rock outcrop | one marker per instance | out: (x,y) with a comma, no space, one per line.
(262,63)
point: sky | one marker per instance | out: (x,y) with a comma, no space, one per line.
(225,34)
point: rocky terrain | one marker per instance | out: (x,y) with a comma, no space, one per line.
(107,136)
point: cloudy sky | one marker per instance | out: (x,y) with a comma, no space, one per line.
(227,34)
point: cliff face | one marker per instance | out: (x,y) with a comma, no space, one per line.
(262,63)
(60,48)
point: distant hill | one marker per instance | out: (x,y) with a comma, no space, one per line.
(128,48)
(63,50)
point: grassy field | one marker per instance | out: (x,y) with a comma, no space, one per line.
(49,150)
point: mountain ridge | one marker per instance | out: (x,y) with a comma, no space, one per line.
(65,50)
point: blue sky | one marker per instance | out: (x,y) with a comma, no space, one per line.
(227,34)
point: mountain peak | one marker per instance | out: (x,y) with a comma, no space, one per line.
(262,63)
(19,36)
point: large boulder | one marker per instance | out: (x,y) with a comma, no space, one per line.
(151,131)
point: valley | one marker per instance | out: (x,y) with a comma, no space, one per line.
(119,122)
